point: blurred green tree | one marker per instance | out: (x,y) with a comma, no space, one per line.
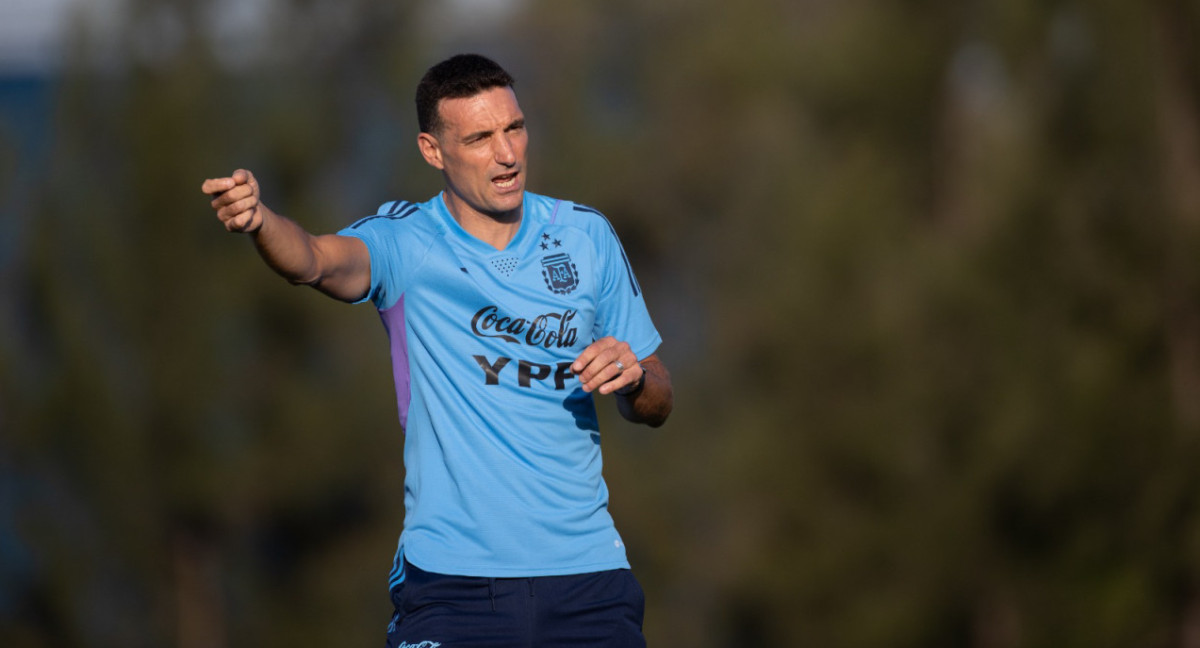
(925,271)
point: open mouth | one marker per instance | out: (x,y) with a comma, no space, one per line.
(506,181)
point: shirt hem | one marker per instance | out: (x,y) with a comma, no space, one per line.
(516,572)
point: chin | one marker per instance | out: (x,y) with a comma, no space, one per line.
(509,202)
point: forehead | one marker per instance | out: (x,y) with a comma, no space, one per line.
(492,109)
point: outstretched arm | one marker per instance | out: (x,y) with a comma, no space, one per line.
(338,266)
(643,388)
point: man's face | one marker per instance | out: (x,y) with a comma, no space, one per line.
(481,150)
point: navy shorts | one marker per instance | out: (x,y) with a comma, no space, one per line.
(597,609)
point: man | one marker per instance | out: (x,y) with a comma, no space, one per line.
(506,312)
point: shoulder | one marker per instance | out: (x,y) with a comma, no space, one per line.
(399,232)
(395,215)
(570,214)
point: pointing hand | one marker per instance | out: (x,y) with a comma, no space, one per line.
(236,201)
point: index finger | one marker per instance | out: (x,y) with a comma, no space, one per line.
(217,185)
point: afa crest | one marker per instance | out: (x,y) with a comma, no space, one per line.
(561,275)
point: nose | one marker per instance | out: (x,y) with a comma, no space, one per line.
(504,150)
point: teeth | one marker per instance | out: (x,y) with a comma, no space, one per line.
(504,184)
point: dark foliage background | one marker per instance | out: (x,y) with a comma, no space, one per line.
(928,275)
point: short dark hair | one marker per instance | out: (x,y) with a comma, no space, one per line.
(460,76)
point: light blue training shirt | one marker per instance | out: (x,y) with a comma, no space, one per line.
(502,446)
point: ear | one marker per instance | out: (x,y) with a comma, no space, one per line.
(431,150)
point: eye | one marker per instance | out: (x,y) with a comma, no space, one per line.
(475,138)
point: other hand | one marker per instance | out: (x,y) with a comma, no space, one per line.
(607,365)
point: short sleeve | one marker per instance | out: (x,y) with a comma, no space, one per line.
(621,309)
(386,247)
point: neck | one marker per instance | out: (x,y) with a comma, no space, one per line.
(497,230)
